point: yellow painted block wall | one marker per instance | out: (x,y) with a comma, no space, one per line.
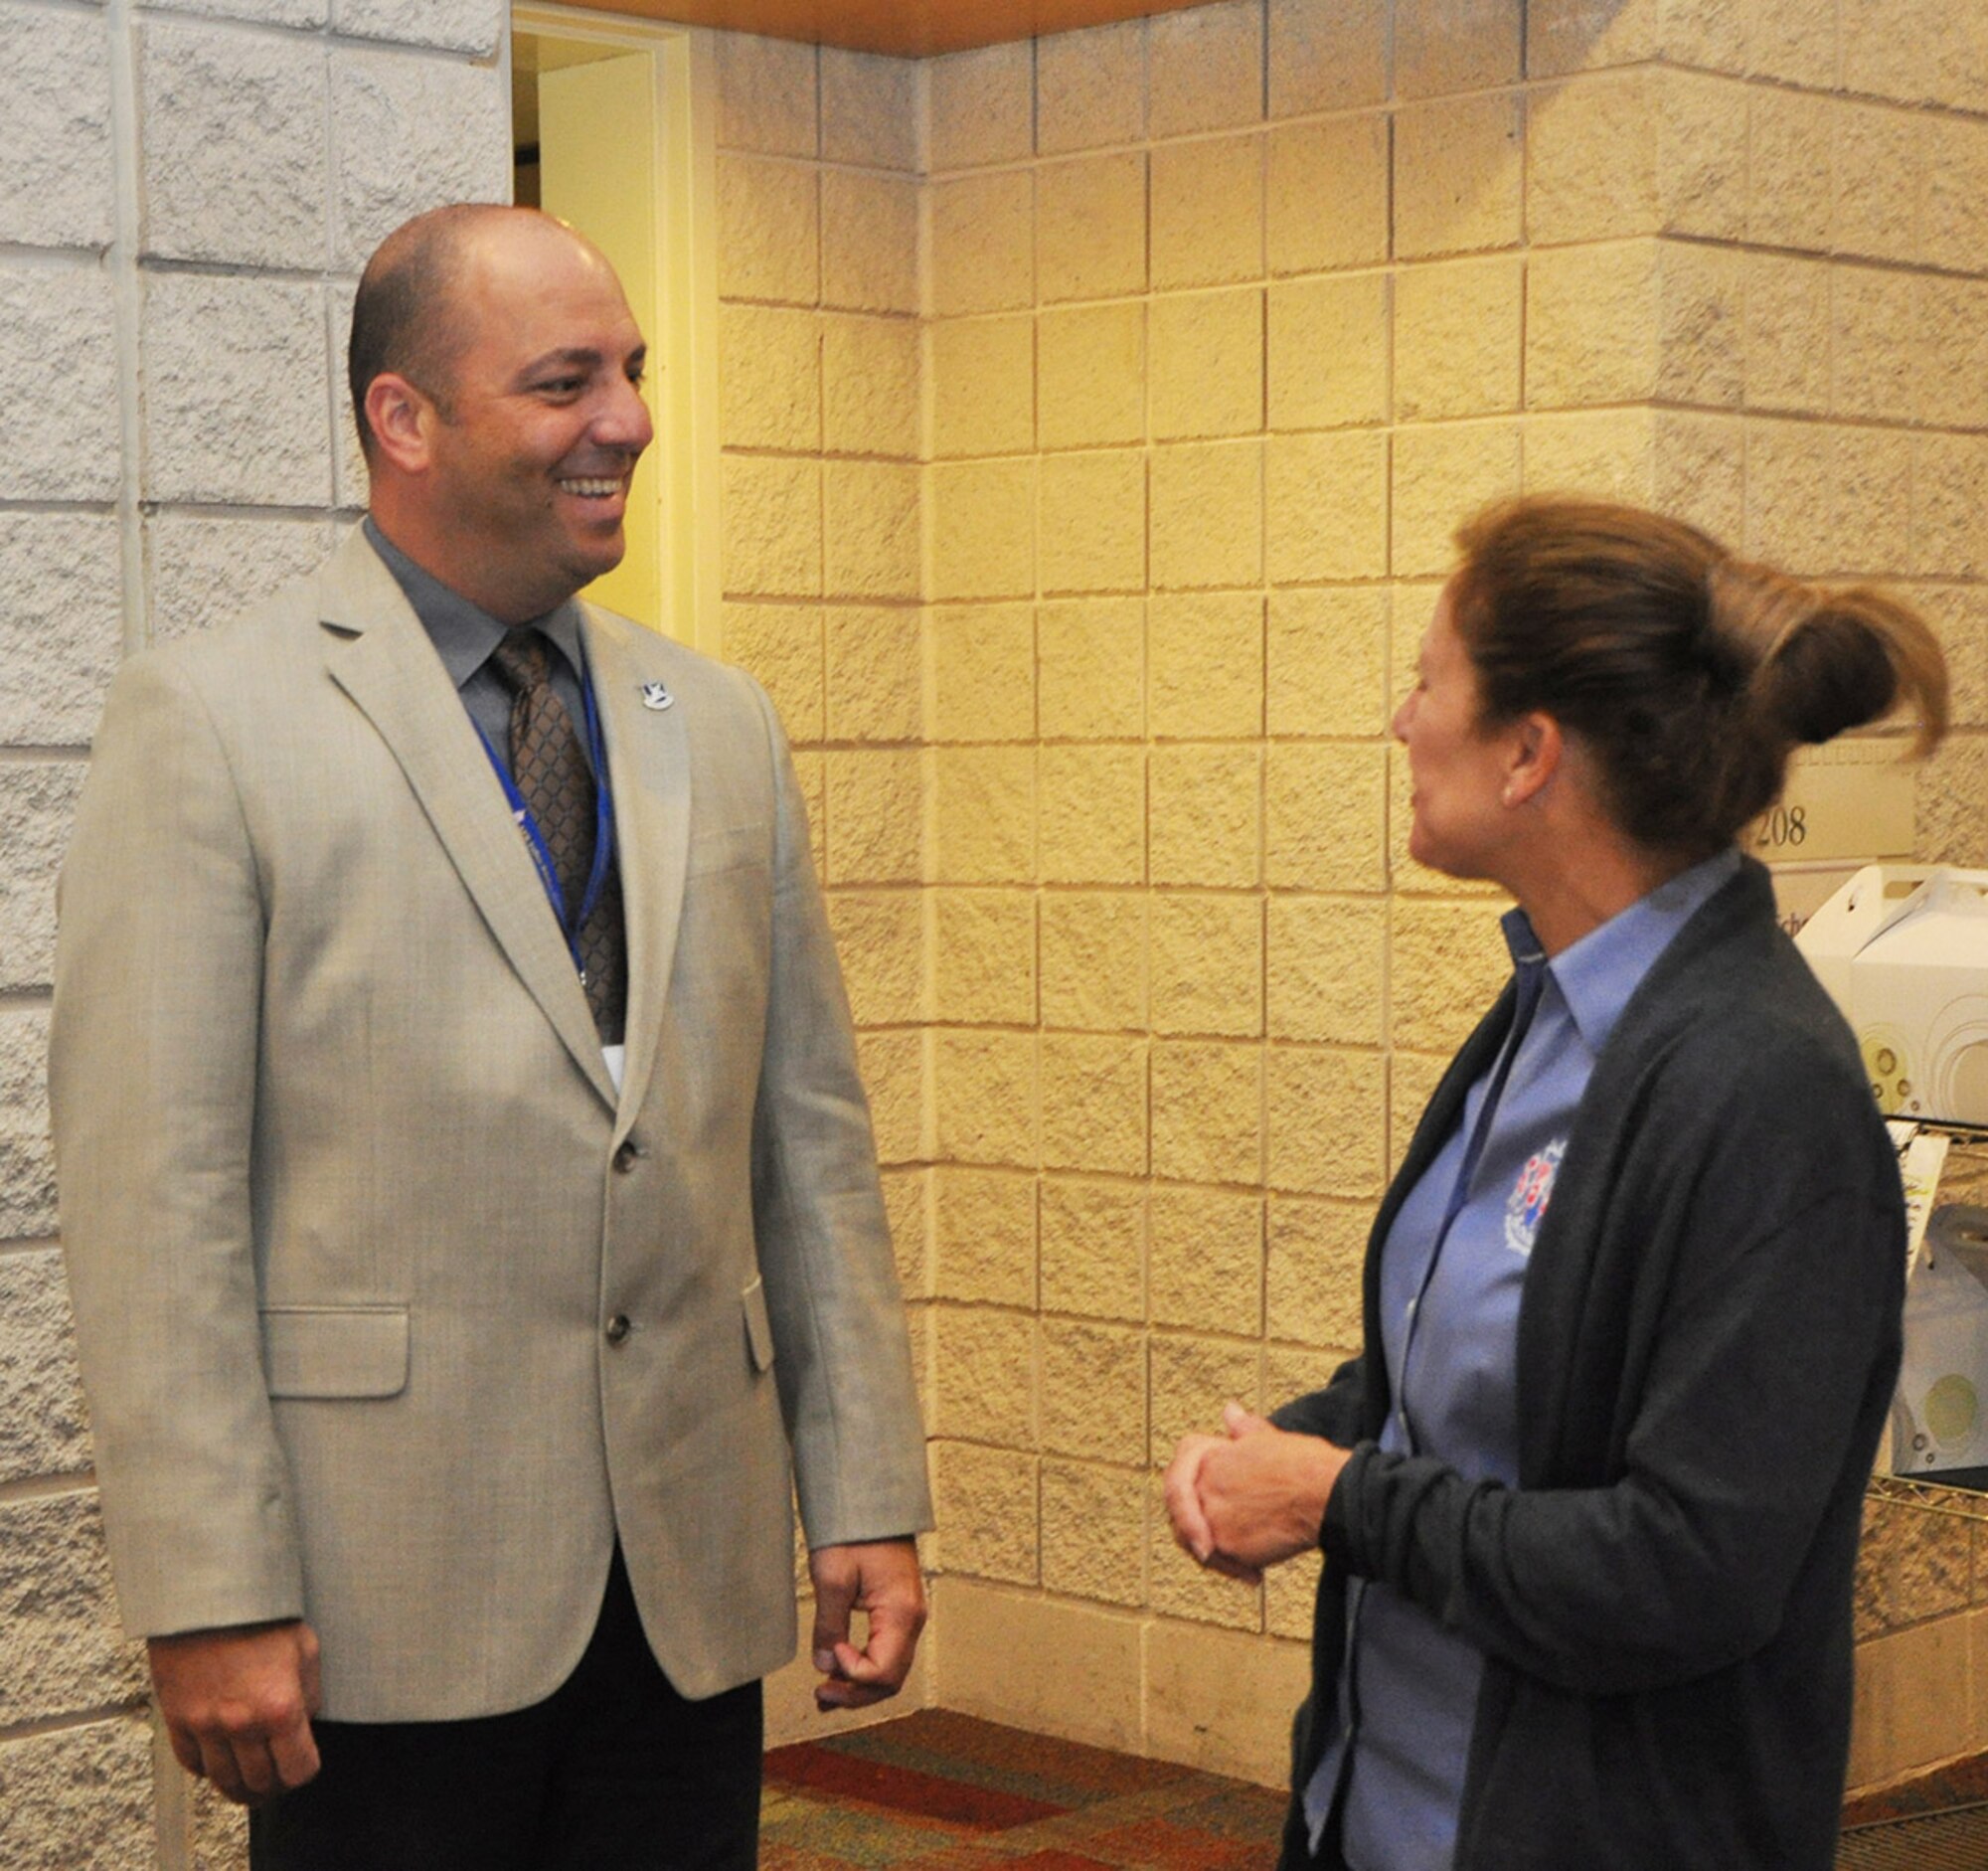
(821,560)
(1096,412)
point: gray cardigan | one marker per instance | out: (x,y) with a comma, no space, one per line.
(1707,1349)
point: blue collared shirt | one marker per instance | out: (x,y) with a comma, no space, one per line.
(1449,1317)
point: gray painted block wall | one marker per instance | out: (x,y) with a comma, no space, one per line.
(187,191)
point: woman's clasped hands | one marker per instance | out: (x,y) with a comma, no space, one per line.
(1251,1497)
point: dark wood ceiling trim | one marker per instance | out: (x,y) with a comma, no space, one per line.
(910,29)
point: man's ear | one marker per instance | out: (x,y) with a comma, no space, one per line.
(402,419)
(1538,746)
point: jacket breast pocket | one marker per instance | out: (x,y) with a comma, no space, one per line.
(335,1350)
(759,1327)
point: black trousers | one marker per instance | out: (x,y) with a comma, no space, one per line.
(614,1772)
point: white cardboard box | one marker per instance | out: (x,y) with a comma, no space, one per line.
(1902,950)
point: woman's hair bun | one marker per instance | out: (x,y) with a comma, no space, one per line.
(1825,661)
(1831,675)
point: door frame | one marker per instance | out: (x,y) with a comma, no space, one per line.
(683,353)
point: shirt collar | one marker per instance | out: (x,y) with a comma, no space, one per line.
(463,633)
(1598,974)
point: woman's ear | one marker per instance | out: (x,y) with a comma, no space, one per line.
(1536,749)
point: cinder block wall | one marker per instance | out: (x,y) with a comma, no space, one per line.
(186,195)
(821,564)
(818,279)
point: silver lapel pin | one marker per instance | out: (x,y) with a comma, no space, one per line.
(655,696)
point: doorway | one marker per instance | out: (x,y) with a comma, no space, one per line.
(611,133)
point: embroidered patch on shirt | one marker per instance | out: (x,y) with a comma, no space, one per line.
(1525,1206)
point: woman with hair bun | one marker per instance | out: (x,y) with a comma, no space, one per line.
(1589,1497)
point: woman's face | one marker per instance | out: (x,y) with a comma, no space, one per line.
(1458,769)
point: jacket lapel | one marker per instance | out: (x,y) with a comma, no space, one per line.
(379,655)
(648,763)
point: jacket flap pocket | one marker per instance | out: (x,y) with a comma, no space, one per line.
(335,1350)
(727,846)
(759,1329)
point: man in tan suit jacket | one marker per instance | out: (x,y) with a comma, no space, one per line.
(437,1346)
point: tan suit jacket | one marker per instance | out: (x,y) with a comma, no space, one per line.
(351,1205)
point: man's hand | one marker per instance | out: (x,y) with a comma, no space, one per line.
(1247,1499)
(237,1704)
(882,1579)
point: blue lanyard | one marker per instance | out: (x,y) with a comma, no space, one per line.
(535,842)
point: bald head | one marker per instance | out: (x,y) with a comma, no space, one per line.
(497,371)
(409,317)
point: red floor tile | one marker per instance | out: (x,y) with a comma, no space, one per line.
(817,1767)
(1168,1846)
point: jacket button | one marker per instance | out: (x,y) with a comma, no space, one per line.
(617,1328)
(626,1156)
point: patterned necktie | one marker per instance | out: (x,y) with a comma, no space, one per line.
(549,768)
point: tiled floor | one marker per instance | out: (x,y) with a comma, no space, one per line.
(940,1791)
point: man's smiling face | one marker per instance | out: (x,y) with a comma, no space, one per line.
(534,437)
